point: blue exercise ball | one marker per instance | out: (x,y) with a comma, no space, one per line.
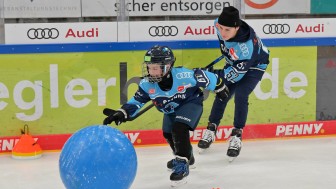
(98,157)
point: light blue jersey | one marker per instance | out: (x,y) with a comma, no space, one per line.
(243,53)
(185,89)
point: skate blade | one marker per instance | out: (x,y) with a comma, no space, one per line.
(231,159)
(192,166)
(177,183)
(202,150)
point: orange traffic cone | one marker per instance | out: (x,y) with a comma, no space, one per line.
(27,147)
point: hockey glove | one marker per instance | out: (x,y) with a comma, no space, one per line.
(118,116)
(221,90)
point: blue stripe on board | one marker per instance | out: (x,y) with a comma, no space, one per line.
(129,46)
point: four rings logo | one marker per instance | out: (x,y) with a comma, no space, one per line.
(42,33)
(276,28)
(184,75)
(160,31)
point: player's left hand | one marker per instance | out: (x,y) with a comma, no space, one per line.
(221,90)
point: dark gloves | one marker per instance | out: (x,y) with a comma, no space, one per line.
(118,116)
(221,90)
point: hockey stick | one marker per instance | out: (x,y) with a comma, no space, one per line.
(108,112)
(214,62)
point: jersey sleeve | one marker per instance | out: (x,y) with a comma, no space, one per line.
(240,56)
(205,79)
(235,71)
(134,105)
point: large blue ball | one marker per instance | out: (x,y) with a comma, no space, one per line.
(98,157)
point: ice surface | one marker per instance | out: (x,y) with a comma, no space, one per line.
(268,164)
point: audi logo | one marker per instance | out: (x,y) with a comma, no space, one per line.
(243,47)
(160,31)
(42,33)
(183,75)
(276,28)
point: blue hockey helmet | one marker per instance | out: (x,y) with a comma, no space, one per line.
(162,56)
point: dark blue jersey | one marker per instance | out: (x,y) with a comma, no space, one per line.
(185,89)
(243,53)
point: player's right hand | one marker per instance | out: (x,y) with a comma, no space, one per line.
(118,116)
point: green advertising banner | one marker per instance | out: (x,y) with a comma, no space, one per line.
(322,7)
(60,93)
(287,92)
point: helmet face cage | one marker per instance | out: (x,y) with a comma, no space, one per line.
(161,56)
(165,69)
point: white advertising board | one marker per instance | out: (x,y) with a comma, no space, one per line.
(103,8)
(154,7)
(160,31)
(204,29)
(294,28)
(45,33)
(192,7)
(172,30)
(42,9)
(99,8)
(277,7)
(2,24)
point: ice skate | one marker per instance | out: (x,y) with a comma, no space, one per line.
(180,171)
(171,163)
(235,144)
(208,138)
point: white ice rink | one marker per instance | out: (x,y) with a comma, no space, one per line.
(268,164)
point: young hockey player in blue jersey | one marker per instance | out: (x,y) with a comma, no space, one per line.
(246,61)
(175,91)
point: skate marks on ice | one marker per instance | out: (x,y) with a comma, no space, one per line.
(152,169)
(276,164)
(179,183)
(204,151)
(39,173)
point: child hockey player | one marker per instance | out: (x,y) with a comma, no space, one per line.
(175,91)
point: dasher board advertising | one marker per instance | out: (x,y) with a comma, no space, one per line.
(277,7)
(192,7)
(42,9)
(59,93)
(44,33)
(154,7)
(160,30)
(135,8)
(205,30)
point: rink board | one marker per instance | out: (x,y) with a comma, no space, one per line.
(154,137)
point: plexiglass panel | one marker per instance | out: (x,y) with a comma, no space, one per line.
(2,22)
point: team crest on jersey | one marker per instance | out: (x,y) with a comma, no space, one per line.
(180,88)
(233,54)
(151,91)
(156,103)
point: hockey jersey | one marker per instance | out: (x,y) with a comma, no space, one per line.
(185,89)
(243,53)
